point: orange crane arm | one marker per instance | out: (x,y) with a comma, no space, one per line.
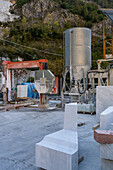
(24,64)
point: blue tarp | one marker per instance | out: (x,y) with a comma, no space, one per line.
(31,90)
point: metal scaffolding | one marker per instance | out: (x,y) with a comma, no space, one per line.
(107,42)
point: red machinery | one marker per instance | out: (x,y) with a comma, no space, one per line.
(9,75)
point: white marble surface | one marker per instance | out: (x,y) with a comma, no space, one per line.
(106,151)
(106,164)
(104,99)
(106,118)
(70,116)
(59,150)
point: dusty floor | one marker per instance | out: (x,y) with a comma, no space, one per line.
(21,129)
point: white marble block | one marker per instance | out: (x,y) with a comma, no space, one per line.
(104,99)
(106,118)
(59,150)
(106,121)
(22,90)
(106,164)
(111,128)
(106,151)
(70,117)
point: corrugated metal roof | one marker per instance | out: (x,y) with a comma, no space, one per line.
(108,13)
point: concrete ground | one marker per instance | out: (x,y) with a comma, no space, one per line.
(21,129)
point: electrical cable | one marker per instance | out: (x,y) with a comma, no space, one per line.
(78,83)
(31,48)
(21,50)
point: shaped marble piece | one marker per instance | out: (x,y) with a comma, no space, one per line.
(104,99)
(59,150)
(106,118)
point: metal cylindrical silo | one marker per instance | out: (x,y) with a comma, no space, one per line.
(78,50)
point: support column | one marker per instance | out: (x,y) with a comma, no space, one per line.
(43,101)
(41,97)
(8,84)
(112,37)
(99,83)
(13,84)
(104,42)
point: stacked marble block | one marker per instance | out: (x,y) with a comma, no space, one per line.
(59,150)
(105,138)
(88,108)
(22,90)
(104,99)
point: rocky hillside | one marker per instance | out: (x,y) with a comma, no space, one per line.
(68,12)
(48,11)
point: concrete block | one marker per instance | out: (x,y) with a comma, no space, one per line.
(104,99)
(70,116)
(106,164)
(59,150)
(106,118)
(106,151)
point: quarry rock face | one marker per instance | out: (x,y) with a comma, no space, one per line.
(38,8)
(48,11)
(5,15)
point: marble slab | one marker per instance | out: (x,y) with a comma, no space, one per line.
(103,136)
(106,118)
(104,99)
